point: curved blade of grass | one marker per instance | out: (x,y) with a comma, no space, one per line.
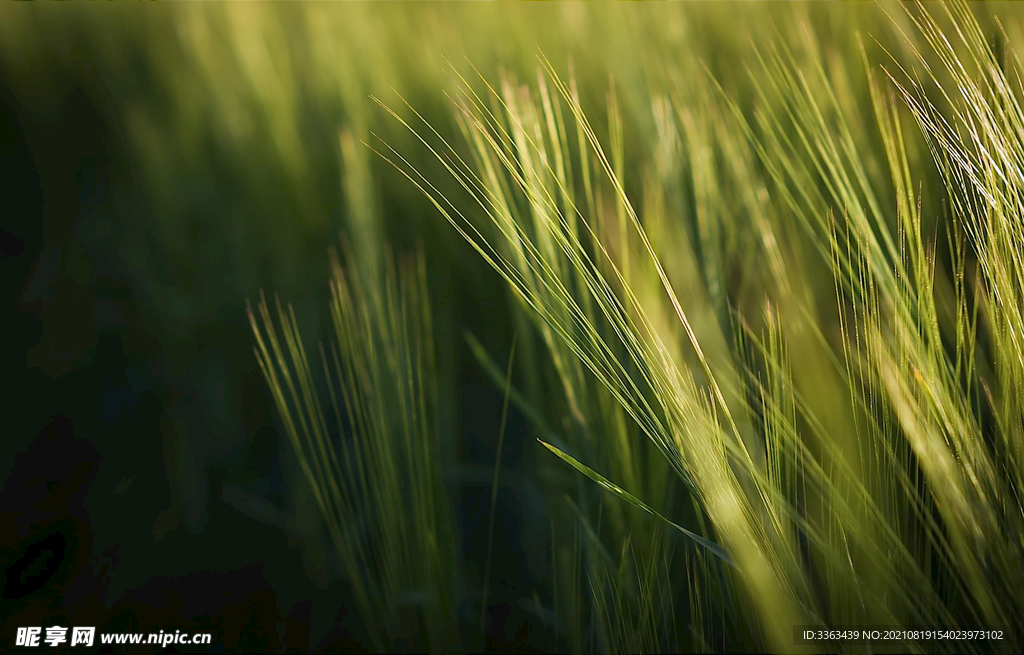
(494,490)
(712,547)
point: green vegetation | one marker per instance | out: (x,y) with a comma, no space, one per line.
(759,283)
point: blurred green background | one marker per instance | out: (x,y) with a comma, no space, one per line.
(165,162)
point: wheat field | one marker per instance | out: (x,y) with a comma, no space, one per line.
(746,278)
